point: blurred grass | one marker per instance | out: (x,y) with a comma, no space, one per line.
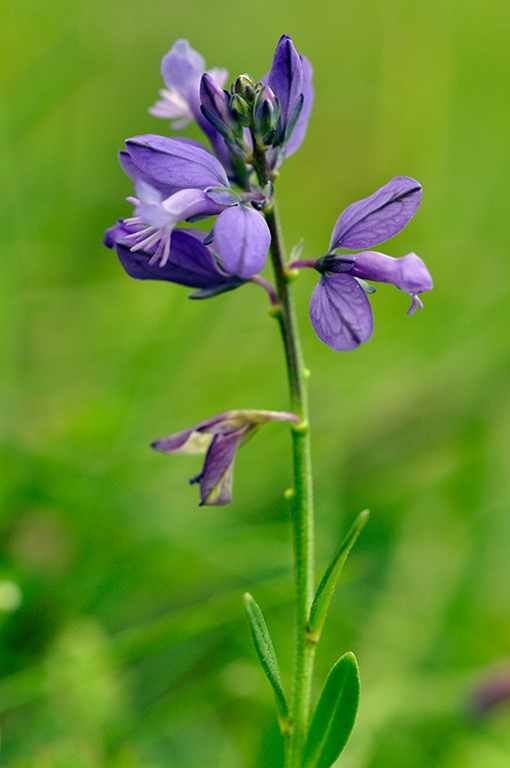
(129,648)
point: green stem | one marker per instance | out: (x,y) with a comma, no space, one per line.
(300,495)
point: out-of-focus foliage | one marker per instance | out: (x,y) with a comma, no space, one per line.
(123,638)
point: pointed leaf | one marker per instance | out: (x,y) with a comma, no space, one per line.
(334,715)
(266,654)
(297,250)
(327,586)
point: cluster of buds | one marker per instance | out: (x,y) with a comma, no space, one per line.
(263,113)
(257,108)
(249,106)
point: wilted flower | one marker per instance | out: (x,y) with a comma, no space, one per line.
(340,311)
(219,438)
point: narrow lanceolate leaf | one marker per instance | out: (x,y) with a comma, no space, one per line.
(334,715)
(266,654)
(327,586)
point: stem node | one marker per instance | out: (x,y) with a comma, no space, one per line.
(301,428)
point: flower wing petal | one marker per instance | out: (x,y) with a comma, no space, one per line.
(136,174)
(241,240)
(182,66)
(378,217)
(340,312)
(181,164)
(187,441)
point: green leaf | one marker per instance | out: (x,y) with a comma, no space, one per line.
(266,654)
(327,586)
(297,250)
(334,715)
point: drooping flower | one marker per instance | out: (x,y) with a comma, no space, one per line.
(340,311)
(200,188)
(219,438)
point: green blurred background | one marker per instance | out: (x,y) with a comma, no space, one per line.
(123,639)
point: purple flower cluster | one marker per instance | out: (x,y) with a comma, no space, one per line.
(176,180)
(179,179)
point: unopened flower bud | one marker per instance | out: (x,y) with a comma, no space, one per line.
(216,109)
(266,110)
(240,109)
(244,87)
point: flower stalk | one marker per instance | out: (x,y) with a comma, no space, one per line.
(301,494)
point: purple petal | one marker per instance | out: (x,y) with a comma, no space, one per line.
(136,174)
(182,67)
(176,163)
(215,101)
(190,263)
(299,132)
(173,443)
(408,273)
(340,312)
(241,240)
(375,219)
(286,79)
(180,442)
(192,203)
(216,477)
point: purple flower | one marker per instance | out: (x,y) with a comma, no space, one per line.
(492,690)
(181,69)
(241,235)
(219,438)
(339,308)
(189,262)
